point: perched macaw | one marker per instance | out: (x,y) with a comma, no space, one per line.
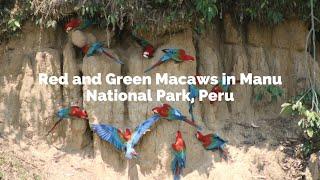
(79,24)
(148,49)
(177,55)
(66,112)
(220,87)
(213,142)
(97,47)
(194,93)
(167,112)
(124,142)
(179,153)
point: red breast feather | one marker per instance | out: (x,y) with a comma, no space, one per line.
(179,145)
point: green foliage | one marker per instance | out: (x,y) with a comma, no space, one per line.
(161,14)
(275,16)
(309,122)
(306,98)
(14,24)
(207,8)
(271,90)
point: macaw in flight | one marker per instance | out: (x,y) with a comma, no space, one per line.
(126,141)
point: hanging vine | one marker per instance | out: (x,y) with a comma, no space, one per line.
(306,105)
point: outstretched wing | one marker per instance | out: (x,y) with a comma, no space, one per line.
(142,129)
(110,134)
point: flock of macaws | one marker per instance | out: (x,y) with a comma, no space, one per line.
(125,141)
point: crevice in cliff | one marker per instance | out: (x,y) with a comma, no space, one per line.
(88,133)
(61,74)
(124,72)
(195,40)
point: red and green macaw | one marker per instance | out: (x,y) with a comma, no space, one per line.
(213,142)
(126,141)
(77,24)
(172,114)
(66,112)
(148,49)
(220,87)
(97,47)
(177,55)
(179,153)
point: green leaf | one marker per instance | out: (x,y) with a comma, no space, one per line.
(310,132)
(259,97)
(17,24)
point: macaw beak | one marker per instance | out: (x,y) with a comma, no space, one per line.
(164,50)
(135,154)
(155,110)
(191,58)
(68,29)
(197,135)
(146,54)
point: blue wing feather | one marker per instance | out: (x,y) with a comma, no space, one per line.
(110,134)
(169,54)
(63,112)
(94,48)
(166,57)
(142,128)
(217,143)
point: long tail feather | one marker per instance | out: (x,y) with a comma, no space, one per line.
(54,126)
(193,124)
(112,57)
(224,153)
(177,174)
(153,66)
(191,111)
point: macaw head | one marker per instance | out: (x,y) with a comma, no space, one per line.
(199,135)
(161,110)
(178,135)
(130,152)
(186,57)
(72,24)
(148,52)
